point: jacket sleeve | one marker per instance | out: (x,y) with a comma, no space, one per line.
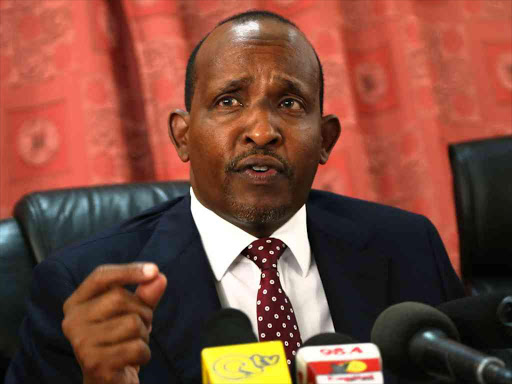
(451,284)
(45,355)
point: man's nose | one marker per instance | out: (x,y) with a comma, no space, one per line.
(261,129)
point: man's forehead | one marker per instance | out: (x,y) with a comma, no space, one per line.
(223,42)
(257,29)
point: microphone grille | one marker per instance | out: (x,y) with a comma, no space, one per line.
(479,320)
(395,327)
(328,338)
(226,327)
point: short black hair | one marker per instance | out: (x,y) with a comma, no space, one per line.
(254,15)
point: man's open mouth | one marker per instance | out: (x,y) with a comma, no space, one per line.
(262,168)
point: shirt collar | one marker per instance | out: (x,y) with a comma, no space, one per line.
(223,242)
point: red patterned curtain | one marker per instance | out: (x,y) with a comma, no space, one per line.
(87,86)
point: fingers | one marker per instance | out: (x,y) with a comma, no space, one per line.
(105,334)
(151,292)
(106,276)
(134,352)
(108,365)
(116,302)
(121,329)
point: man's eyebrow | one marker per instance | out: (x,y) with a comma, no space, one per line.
(233,85)
(289,84)
(293,86)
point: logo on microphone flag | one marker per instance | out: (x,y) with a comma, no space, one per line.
(245,363)
(354,366)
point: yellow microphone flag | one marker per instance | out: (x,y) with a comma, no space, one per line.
(258,363)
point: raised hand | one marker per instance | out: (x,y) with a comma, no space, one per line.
(108,326)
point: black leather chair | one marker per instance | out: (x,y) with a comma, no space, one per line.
(46,221)
(16,263)
(482,174)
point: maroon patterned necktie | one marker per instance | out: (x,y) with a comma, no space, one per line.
(276,320)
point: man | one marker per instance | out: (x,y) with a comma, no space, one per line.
(254,134)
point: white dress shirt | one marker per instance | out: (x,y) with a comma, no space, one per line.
(237,278)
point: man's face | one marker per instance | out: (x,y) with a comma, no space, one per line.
(255,135)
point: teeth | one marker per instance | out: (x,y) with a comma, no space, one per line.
(260,168)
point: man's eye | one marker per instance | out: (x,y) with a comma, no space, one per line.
(291,104)
(228,102)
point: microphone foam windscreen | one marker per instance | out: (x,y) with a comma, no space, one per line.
(395,327)
(328,338)
(478,321)
(227,327)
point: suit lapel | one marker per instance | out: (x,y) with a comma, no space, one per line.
(190,297)
(354,274)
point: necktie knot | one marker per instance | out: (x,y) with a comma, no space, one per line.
(265,252)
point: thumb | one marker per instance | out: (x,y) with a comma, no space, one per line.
(152,291)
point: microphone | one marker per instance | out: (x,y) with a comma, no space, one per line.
(336,358)
(483,321)
(416,342)
(329,339)
(228,326)
(504,313)
(232,353)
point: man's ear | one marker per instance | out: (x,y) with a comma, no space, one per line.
(178,132)
(331,130)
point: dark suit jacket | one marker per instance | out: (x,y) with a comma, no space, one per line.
(369,257)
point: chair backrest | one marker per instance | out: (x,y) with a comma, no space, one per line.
(16,264)
(482,173)
(46,221)
(53,219)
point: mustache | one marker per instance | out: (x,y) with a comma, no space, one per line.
(232,166)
